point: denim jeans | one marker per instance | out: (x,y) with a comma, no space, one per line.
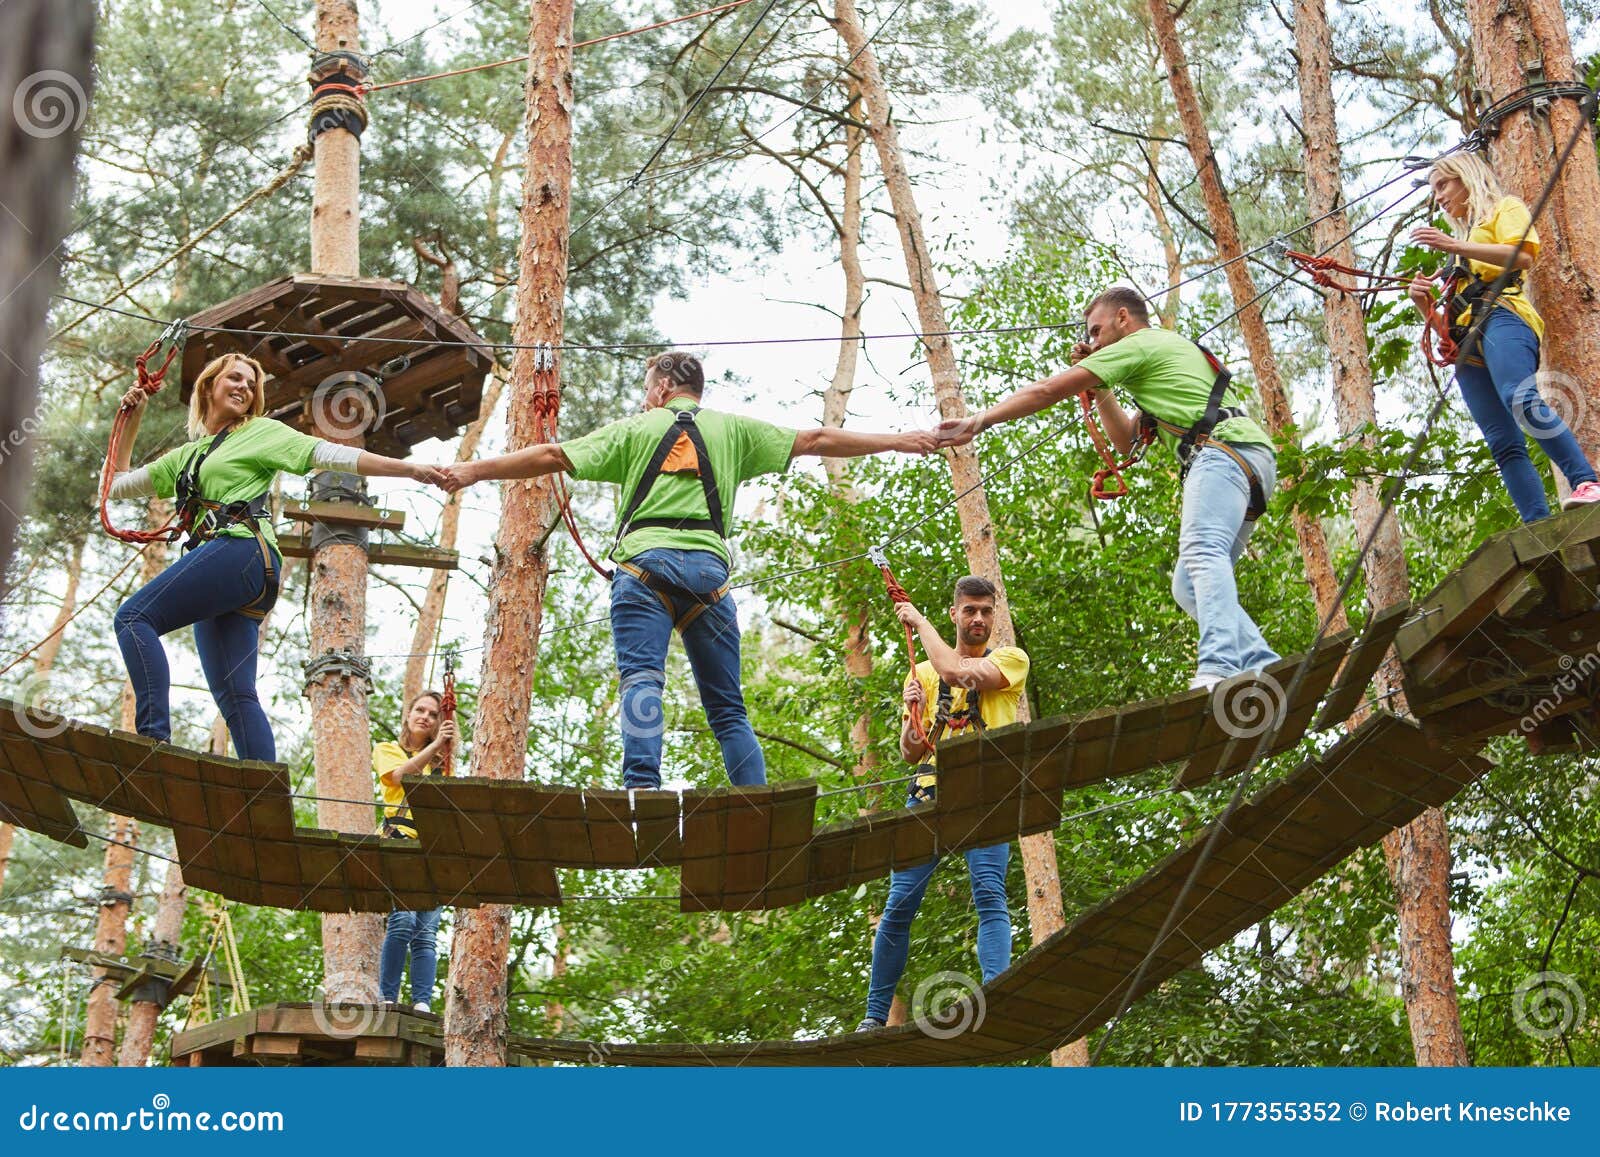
(205,588)
(986,868)
(641,629)
(416,932)
(1503,397)
(1213,534)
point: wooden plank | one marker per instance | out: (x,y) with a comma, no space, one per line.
(610,823)
(344,514)
(1360,664)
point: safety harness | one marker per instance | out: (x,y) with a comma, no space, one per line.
(682,428)
(1464,289)
(1191,440)
(204,519)
(945,720)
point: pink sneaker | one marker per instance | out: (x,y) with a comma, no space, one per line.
(1582,495)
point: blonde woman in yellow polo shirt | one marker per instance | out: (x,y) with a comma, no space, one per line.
(1499,382)
(417,752)
(951,678)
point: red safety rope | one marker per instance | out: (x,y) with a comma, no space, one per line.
(897,593)
(1321,270)
(1113,468)
(546,409)
(149,381)
(447,713)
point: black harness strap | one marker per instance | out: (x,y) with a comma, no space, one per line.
(207,518)
(946,719)
(1198,436)
(1463,302)
(683,425)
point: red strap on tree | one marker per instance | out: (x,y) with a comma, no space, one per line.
(149,381)
(447,713)
(897,593)
(546,409)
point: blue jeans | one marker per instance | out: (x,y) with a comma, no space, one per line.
(641,629)
(987,869)
(205,588)
(1216,495)
(416,932)
(1503,397)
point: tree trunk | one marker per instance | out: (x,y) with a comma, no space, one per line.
(110,938)
(1418,856)
(1509,36)
(1313,544)
(46,67)
(340,728)
(475,1012)
(427,629)
(1045,914)
(165,940)
(1173,257)
(45,657)
(8,834)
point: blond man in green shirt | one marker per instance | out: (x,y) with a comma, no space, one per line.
(680,466)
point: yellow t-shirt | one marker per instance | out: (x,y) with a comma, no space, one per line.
(387,756)
(1505,226)
(998,708)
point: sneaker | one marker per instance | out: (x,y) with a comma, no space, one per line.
(869,1024)
(1582,495)
(420,1006)
(1204,682)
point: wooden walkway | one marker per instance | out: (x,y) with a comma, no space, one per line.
(1508,643)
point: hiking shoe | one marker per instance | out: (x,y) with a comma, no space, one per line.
(869,1024)
(1204,682)
(420,1006)
(1582,495)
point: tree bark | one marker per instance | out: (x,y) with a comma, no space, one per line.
(110,938)
(1507,36)
(1418,856)
(165,939)
(46,67)
(1045,913)
(45,657)
(340,727)
(1275,402)
(475,1012)
(8,835)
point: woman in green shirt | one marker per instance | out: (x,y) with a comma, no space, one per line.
(224,586)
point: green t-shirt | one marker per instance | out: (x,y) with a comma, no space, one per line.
(239,469)
(739,448)
(1169,377)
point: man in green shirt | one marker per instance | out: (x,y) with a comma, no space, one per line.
(1229,469)
(680,467)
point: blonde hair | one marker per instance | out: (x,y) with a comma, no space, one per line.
(200,399)
(1483,188)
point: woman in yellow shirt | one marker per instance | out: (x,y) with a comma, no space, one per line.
(1500,382)
(423,736)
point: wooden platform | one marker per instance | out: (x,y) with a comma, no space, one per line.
(428,391)
(313,1035)
(1510,642)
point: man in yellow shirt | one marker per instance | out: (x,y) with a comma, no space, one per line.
(423,737)
(970,685)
